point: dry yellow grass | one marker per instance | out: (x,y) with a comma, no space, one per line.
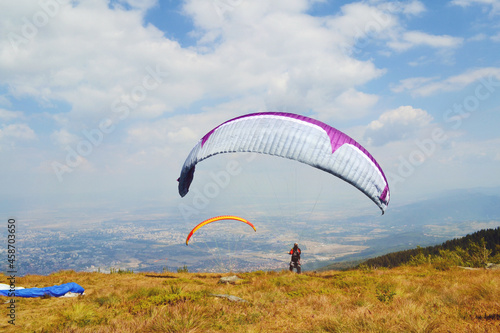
(405,299)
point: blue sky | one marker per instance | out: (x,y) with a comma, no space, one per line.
(100,102)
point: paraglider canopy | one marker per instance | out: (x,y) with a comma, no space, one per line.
(298,138)
(218,218)
(64,290)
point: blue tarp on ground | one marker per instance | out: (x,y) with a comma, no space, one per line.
(54,291)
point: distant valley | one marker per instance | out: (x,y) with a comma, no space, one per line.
(158,244)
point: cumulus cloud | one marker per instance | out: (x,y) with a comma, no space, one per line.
(101,59)
(414,7)
(353,100)
(402,123)
(297,64)
(368,22)
(90,66)
(351,104)
(241,52)
(302,63)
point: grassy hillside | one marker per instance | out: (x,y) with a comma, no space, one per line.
(404,299)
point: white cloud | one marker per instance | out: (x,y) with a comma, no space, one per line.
(412,83)
(352,100)
(168,141)
(17,132)
(421,38)
(91,65)
(302,63)
(63,138)
(371,23)
(402,123)
(466,3)
(494,4)
(359,24)
(186,130)
(412,39)
(360,20)
(414,8)
(256,56)
(9,115)
(180,132)
(211,15)
(248,56)
(351,104)
(429,86)
(161,132)
(297,64)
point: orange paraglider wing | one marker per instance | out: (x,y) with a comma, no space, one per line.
(218,218)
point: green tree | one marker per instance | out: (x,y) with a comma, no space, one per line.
(478,253)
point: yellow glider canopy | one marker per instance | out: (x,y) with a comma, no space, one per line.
(218,218)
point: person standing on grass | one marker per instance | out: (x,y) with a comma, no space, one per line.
(295,261)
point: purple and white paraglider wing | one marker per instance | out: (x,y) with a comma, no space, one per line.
(298,138)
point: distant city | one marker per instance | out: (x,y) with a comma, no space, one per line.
(157,244)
